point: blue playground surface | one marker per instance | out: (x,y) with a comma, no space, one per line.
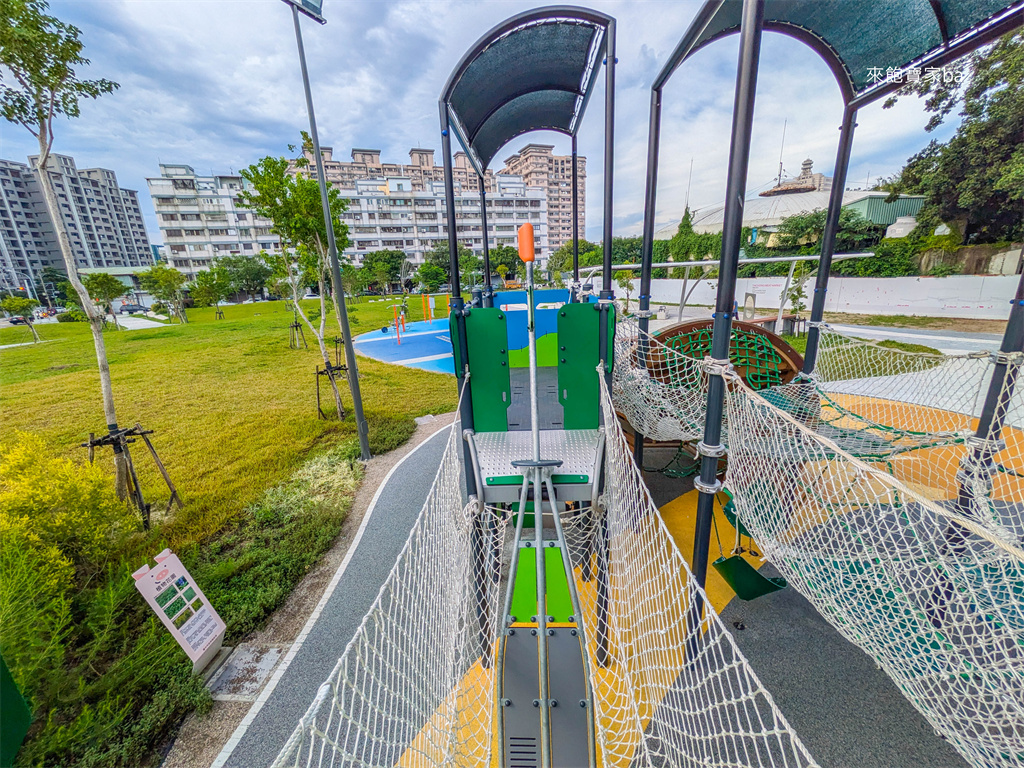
(425,344)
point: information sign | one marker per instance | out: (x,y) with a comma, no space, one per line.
(182,607)
(312,8)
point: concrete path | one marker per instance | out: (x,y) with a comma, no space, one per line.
(135,322)
(949,342)
(385,528)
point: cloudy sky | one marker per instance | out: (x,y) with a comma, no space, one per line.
(216,84)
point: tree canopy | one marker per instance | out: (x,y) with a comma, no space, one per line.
(104,288)
(384,267)
(438,256)
(804,230)
(506,256)
(165,283)
(212,286)
(248,273)
(974,181)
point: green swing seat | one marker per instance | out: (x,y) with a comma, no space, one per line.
(743,578)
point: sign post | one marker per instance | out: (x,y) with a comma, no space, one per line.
(181,605)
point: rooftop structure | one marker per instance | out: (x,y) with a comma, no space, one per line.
(541,168)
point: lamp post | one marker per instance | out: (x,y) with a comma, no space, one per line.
(311,8)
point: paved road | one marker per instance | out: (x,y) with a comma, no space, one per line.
(392,517)
(950,342)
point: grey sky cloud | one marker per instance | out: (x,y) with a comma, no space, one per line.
(215,84)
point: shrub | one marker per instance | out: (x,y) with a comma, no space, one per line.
(73,315)
(158,307)
(895,257)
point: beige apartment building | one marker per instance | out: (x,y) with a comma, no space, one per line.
(536,164)
(540,167)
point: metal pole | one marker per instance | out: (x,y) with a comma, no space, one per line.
(332,251)
(710,448)
(828,236)
(987,438)
(575,216)
(456,303)
(609,157)
(488,296)
(647,248)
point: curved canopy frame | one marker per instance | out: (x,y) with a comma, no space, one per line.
(861,41)
(534,71)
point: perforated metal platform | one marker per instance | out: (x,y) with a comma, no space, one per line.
(577,448)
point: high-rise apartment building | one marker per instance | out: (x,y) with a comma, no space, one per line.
(103,221)
(420,171)
(541,168)
(391,214)
(200,218)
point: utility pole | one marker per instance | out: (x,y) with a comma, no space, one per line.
(332,246)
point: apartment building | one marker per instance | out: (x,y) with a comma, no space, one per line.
(420,171)
(103,221)
(391,214)
(200,218)
(541,168)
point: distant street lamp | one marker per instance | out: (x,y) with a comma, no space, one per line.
(312,8)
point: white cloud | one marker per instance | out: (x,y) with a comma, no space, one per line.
(216,84)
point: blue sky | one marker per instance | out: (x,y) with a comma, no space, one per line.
(215,84)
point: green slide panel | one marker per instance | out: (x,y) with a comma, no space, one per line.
(15,718)
(578,356)
(453,334)
(524,593)
(487,340)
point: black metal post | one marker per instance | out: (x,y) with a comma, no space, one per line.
(647,248)
(332,251)
(993,413)
(488,295)
(739,155)
(609,157)
(456,303)
(828,236)
(575,216)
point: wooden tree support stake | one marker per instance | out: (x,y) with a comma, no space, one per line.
(330,371)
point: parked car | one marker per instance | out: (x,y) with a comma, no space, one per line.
(131,309)
(18,320)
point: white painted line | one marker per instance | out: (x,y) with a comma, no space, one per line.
(426,359)
(236,737)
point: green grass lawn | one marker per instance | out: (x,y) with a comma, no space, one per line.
(233,411)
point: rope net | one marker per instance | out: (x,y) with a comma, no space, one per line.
(671,686)
(931,591)
(410,688)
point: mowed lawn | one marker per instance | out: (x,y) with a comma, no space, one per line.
(232,406)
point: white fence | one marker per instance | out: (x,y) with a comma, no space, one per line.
(973,296)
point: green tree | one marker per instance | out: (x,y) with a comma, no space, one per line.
(104,288)
(431,276)
(21,307)
(974,181)
(248,273)
(166,284)
(505,256)
(353,279)
(211,286)
(803,232)
(385,267)
(292,203)
(438,256)
(624,279)
(39,59)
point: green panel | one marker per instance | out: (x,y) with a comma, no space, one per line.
(559,601)
(578,329)
(487,340)
(453,334)
(556,479)
(547,353)
(524,594)
(16,717)
(609,360)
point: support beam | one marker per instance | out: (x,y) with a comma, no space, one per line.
(647,248)
(828,236)
(488,298)
(739,156)
(575,215)
(609,158)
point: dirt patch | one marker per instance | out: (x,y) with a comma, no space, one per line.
(63,367)
(965,324)
(200,739)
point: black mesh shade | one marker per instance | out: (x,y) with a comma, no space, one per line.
(531,73)
(859,39)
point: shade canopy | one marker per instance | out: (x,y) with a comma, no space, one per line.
(862,40)
(534,71)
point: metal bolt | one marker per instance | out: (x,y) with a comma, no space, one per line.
(529,544)
(554,702)
(533,619)
(562,348)
(511,619)
(552,543)
(536,702)
(583,703)
(551,633)
(573,632)
(511,632)
(506,702)
(502,352)
(551,618)
(503,362)
(571,618)
(563,359)
(533,632)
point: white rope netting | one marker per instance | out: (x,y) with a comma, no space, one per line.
(670,689)
(935,598)
(410,688)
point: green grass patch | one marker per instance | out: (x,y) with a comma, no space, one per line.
(266,486)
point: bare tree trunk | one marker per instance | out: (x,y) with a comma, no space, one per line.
(113,314)
(32,327)
(94,314)
(319,334)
